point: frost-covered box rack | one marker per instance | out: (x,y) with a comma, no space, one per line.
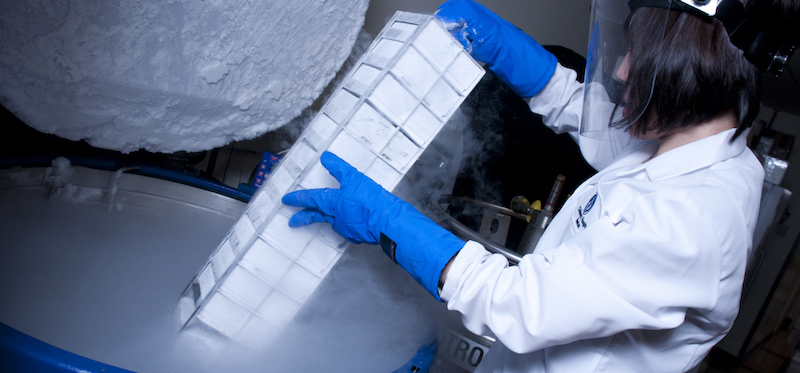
(389,108)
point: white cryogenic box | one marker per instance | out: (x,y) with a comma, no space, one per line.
(390,106)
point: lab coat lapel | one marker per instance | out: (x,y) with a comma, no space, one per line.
(626,164)
(694,156)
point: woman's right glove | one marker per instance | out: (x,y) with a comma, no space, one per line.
(515,57)
(363,212)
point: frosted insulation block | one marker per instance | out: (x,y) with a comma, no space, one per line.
(266,262)
(442,99)
(399,30)
(259,333)
(318,256)
(369,126)
(393,99)
(421,126)
(321,128)
(318,177)
(351,150)
(278,308)
(339,107)
(415,72)
(463,74)
(380,119)
(224,315)
(383,174)
(437,45)
(361,80)
(245,287)
(221,260)
(382,52)
(400,151)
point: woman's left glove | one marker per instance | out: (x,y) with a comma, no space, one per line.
(516,58)
(363,212)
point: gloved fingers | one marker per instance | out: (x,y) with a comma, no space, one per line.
(452,14)
(460,33)
(323,200)
(309,216)
(463,37)
(471,24)
(338,168)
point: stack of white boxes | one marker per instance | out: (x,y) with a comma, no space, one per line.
(390,107)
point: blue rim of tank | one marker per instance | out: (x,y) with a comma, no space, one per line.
(20,352)
(243,193)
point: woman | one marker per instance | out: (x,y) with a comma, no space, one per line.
(641,270)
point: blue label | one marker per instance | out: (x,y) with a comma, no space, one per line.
(590,204)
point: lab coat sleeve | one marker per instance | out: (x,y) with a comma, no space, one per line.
(642,269)
(560,104)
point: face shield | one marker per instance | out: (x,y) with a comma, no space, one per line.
(607,68)
(625,51)
(607,113)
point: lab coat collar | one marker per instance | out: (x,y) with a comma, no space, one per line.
(696,155)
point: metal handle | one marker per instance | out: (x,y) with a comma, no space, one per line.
(512,256)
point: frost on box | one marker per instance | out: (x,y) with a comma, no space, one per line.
(388,109)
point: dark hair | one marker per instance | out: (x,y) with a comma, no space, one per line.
(695,73)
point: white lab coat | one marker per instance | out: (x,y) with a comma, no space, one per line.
(640,271)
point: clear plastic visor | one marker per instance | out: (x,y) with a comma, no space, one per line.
(606,113)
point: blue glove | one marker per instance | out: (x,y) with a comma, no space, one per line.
(516,58)
(363,212)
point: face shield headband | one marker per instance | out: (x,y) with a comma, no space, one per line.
(768,50)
